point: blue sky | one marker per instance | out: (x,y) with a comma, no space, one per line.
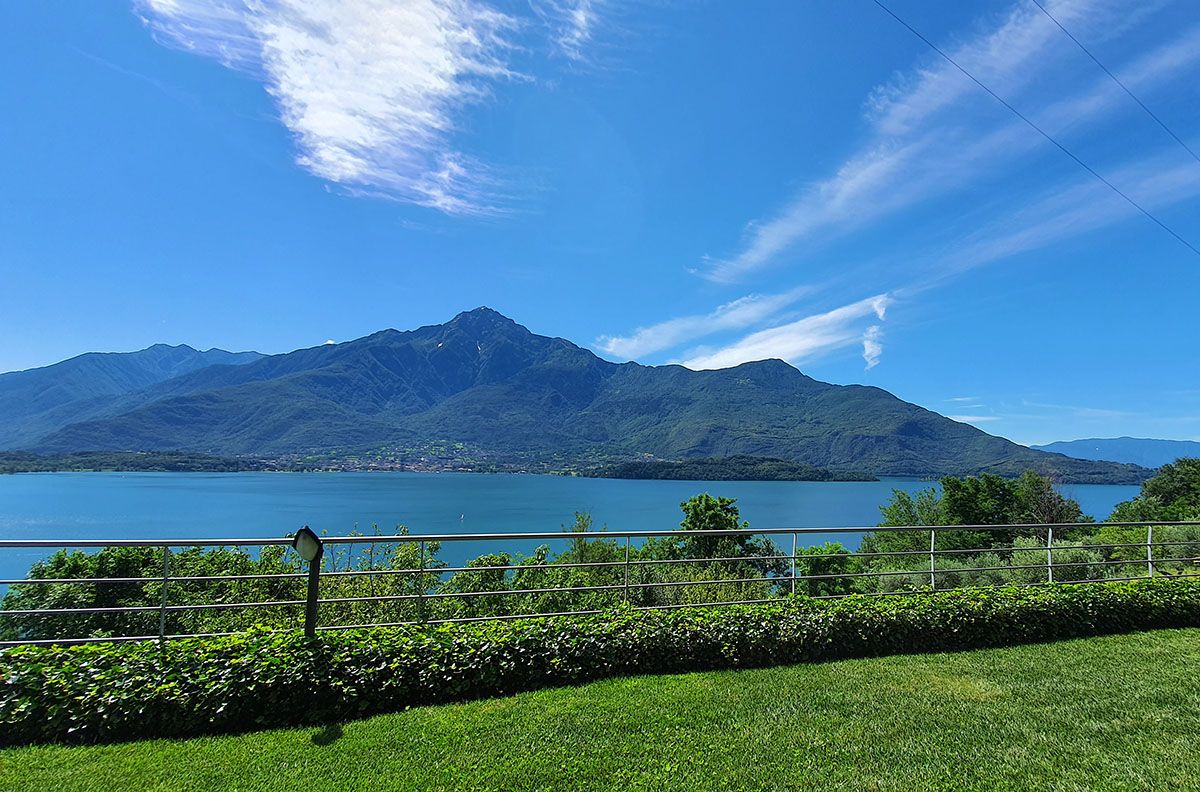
(667,181)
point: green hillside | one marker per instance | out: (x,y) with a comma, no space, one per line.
(40,400)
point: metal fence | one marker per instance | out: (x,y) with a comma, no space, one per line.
(351,583)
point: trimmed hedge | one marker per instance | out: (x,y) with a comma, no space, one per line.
(260,679)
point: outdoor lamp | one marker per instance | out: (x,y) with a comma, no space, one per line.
(310,547)
(308,544)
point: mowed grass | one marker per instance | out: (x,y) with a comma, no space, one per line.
(1118,712)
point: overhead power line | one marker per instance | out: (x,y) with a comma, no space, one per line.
(1117,80)
(1039,130)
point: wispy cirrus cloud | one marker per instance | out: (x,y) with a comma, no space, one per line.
(872,346)
(804,339)
(736,315)
(1078,411)
(932,131)
(373,91)
(1050,414)
(572,24)
(1081,206)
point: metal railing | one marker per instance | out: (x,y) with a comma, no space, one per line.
(599,570)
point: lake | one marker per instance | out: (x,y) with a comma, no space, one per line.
(239,505)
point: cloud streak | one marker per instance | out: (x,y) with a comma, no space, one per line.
(738,314)
(1078,208)
(371,90)
(572,24)
(803,339)
(872,346)
(932,131)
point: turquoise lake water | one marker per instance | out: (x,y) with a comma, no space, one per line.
(238,505)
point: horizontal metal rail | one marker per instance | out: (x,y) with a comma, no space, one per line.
(151,608)
(568,535)
(594,564)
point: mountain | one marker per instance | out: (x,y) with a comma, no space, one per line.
(1133,450)
(37,401)
(481,389)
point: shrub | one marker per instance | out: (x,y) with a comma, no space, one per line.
(260,679)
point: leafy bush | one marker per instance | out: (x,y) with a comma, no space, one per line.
(200,602)
(820,562)
(260,679)
(1086,552)
(664,571)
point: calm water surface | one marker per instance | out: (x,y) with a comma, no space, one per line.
(235,505)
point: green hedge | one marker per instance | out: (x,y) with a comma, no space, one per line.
(258,679)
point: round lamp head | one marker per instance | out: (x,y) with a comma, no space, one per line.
(308,544)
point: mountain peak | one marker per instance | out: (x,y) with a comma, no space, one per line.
(482,313)
(161,347)
(483,321)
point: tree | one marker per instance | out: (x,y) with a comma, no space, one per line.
(904,509)
(1172,494)
(488,574)
(585,550)
(824,560)
(986,499)
(1039,502)
(603,574)
(741,555)
(705,513)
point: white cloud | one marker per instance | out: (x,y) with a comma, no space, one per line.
(933,131)
(1077,411)
(1080,207)
(572,24)
(740,313)
(797,341)
(973,418)
(846,199)
(1002,58)
(371,90)
(329,342)
(872,346)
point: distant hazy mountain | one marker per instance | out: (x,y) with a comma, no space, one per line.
(1134,450)
(37,401)
(482,387)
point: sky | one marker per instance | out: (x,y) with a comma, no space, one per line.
(702,183)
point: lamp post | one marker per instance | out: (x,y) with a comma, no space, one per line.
(311,548)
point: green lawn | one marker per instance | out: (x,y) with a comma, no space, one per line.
(1106,713)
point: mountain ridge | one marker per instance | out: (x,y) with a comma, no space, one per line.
(33,400)
(1144,451)
(483,387)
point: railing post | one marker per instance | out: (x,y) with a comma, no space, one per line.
(1149,551)
(1050,554)
(421,584)
(162,606)
(794,565)
(932,566)
(314,592)
(625,595)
